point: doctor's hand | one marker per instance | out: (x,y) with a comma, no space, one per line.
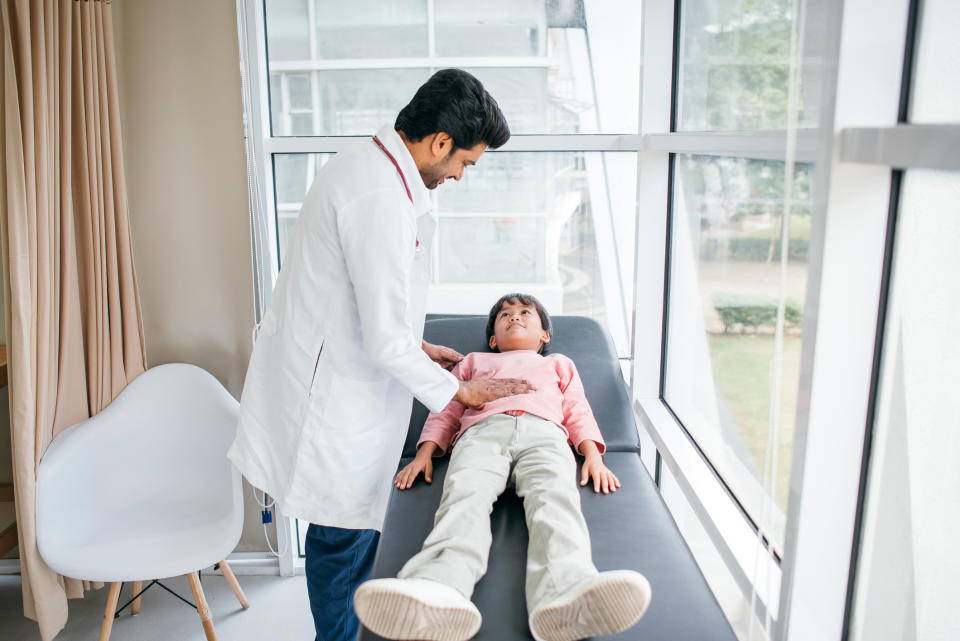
(422,462)
(445,357)
(483,389)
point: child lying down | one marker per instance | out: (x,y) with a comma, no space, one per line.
(521,440)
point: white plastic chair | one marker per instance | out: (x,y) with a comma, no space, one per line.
(144,489)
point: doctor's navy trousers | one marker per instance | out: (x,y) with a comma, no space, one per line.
(338,560)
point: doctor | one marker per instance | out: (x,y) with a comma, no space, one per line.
(339,353)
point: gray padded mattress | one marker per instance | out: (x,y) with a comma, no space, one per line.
(630,529)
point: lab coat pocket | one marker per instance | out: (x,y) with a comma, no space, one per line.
(354,408)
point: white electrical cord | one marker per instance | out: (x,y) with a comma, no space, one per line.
(263,502)
(281,541)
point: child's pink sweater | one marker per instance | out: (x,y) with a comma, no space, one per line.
(559,397)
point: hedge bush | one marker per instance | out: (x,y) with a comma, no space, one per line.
(746,310)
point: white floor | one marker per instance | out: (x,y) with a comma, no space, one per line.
(278,610)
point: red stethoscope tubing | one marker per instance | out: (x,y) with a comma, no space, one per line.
(395,164)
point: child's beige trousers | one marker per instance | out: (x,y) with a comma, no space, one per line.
(533,455)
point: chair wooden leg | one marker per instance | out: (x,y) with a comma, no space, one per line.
(202,608)
(111,609)
(135,608)
(232,580)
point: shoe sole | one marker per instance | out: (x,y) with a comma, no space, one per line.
(396,615)
(608,606)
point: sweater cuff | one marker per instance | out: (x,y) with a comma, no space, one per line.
(441,447)
(601,446)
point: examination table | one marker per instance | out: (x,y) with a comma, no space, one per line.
(629,529)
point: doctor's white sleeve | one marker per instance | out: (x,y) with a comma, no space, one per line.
(378,239)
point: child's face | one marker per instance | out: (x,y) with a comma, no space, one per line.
(518,326)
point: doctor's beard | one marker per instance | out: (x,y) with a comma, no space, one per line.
(433,175)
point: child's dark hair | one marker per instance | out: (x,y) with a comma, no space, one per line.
(519,299)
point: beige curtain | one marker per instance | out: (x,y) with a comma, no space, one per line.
(74,331)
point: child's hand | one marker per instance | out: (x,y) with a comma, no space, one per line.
(593,467)
(409,474)
(603,478)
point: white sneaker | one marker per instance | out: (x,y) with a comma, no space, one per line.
(605,604)
(415,609)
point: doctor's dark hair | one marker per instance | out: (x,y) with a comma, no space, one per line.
(521,299)
(454,102)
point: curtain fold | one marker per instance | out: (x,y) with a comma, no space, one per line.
(73,320)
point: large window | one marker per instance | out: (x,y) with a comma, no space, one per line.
(734,66)
(739,235)
(564,218)
(735,321)
(549,218)
(346,69)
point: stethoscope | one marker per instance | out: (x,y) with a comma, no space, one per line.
(399,171)
(395,164)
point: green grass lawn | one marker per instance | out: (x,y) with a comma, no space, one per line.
(742,370)
(799,228)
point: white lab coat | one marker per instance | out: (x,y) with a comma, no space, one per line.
(337,360)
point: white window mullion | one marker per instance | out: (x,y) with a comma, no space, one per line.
(407,63)
(848,237)
(285,116)
(656,76)
(257,131)
(315,89)
(257,123)
(313,26)
(651,253)
(287,545)
(758,145)
(556,142)
(315,97)
(431,28)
